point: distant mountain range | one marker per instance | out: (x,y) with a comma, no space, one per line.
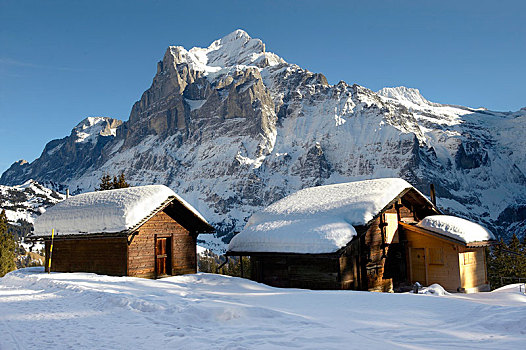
(23,203)
(233,128)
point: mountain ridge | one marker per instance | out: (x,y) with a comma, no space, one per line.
(233,128)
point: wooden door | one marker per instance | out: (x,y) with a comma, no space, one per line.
(418,266)
(162,256)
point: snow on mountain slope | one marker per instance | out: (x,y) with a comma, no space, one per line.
(232,128)
(86,311)
(237,48)
(25,202)
(405,95)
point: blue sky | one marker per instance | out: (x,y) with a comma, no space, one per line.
(62,61)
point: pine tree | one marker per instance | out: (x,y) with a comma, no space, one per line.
(507,262)
(120,181)
(497,260)
(105,183)
(7,247)
(207,264)
(518,263)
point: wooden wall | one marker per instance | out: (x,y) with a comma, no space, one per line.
(378,259)
(377,250)
(439,260)
(141,251)
(473,270)
(297,271)
(350,267)
(98,255)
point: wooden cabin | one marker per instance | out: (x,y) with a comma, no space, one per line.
(363,235)
(145,231)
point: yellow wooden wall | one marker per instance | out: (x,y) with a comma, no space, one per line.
(472,262)
(444,270)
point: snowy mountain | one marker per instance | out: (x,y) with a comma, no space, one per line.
(25,202)
(233,128)
(63,159)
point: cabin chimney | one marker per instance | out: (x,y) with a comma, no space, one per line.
(433,195)
(67,193)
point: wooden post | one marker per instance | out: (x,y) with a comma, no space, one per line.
(383,224)
(426,254)
(221,266)
(433,195)
(241,262)
(51,250)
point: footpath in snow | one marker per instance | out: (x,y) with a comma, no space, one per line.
(88,311)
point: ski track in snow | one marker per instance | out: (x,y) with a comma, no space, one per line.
(88,311)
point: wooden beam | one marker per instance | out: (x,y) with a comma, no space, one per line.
(444,237)
(426,253)
(433,194)
(430,233)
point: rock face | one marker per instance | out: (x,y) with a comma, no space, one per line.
(233,128)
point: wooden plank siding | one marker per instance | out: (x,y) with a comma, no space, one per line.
(98,255)
(472,262)
(385,247)
(440,258)
(141,250)
(297,271)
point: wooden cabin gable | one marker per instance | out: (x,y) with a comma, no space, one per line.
(162,246)
(377,259)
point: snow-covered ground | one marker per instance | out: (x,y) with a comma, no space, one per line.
(88,311)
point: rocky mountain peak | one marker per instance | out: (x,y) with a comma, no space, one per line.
(235,49)
(91,127)
(237,35)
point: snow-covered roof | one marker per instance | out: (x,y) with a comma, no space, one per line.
(108,211)
(317,219)
(308,236)
(457,228)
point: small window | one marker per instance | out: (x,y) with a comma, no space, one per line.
(436,256)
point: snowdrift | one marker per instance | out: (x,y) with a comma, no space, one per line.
(86,311)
